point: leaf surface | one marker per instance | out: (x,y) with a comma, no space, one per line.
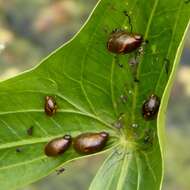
(88,84)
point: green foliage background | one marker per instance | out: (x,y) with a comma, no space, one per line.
(29,38)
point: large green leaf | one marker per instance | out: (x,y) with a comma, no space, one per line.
(87,83)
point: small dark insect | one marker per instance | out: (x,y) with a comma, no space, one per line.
(167,65)
(18,150)
(122,42)
(60,171)
(30,131)
(88,143)
(150,107)
(146,41)
(50,106)
(136,80)
(58,146)
(129,20)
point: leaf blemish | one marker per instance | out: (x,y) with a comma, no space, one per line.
(136,80)
(117,61)
(167,65)
(19,150)
(30,131)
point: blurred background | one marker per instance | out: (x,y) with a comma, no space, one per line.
(30,30)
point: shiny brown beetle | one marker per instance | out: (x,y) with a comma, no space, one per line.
(150,107)
(88,143)
(58,146)
(50,106)
(122,42)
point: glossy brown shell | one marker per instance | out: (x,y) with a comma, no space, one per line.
(150,107)
(58,146)
(122,42)
(88,143)
(50,106)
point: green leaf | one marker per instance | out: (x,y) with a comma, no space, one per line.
(87,83)
(129,169)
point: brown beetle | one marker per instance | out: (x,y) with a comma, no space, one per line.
(88,143)
(58,146)
(122,42)
(50,106)
(150,107)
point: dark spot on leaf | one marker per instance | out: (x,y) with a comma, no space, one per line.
(117,61)
(19,150)
(136,80)
(30,131)
(167,65)
(60,171)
